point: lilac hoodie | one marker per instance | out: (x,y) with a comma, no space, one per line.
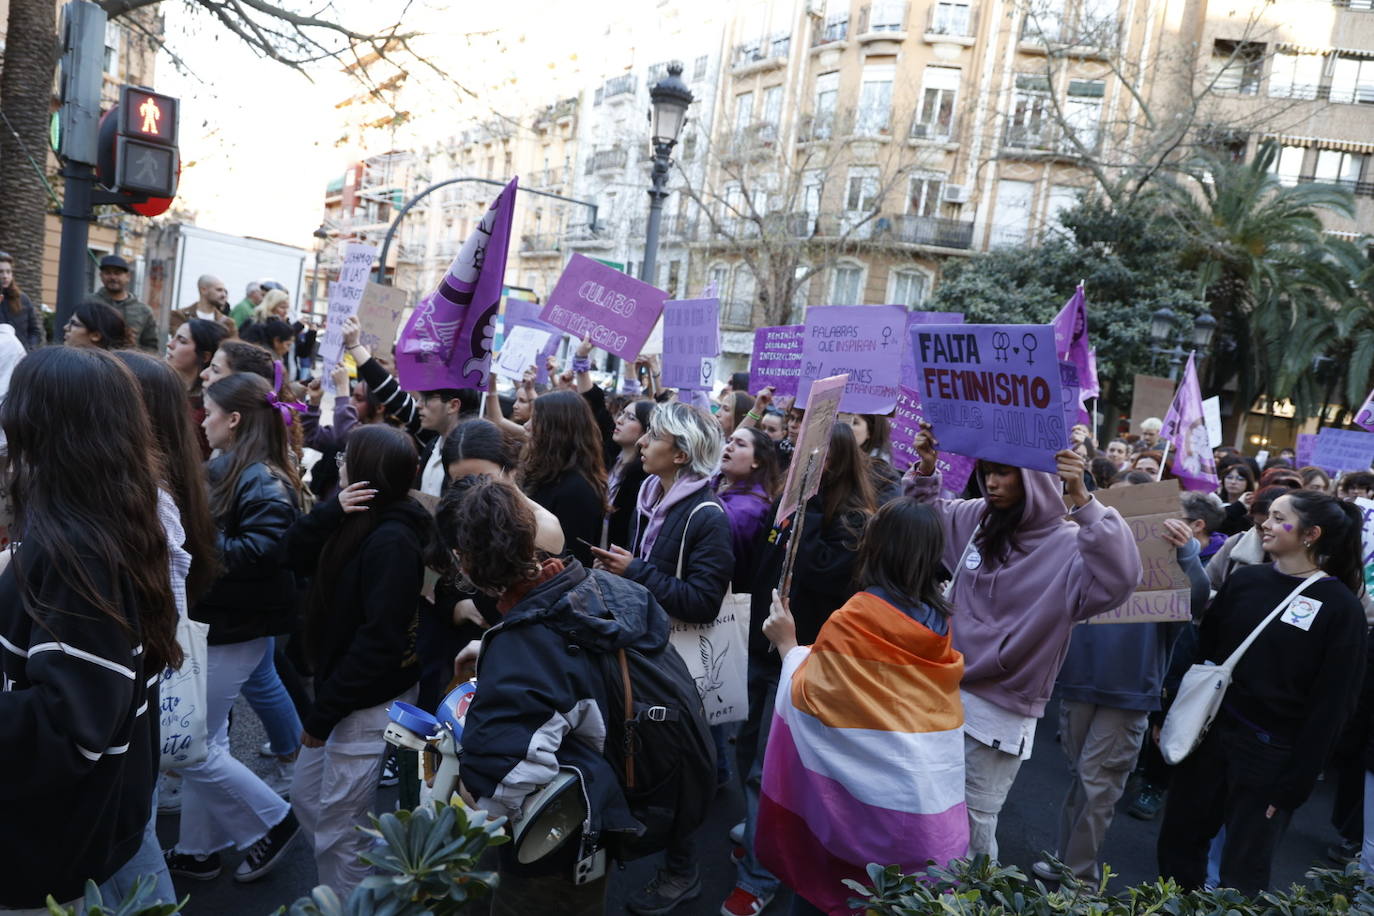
(1012,620)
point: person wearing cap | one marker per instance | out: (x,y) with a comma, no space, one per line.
(114,292)
(251,298)
(17,310)
(213,305)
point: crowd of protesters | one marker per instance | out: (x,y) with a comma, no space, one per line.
(350,544)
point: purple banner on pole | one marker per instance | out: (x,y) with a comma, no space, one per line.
(447,342)
(614,309)
(691,333)
(906,423)
(993,391)
(1343,450)
(909,378)
(1364,417)
(1185,425)
(861,341)
(776,360)
(1071,342)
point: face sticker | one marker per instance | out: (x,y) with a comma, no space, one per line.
(1287,527)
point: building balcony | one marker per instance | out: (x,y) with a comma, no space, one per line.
(1365,6)
(1358,188)
(738,314)
(547,178)
(607,159)
(1046,138)
(934,130)
(757,56)
(616,89)
(556,113)
(834,29)
(544,243)
(949,23)
(930,231)
(882,20)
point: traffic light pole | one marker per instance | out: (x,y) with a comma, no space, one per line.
(77,216)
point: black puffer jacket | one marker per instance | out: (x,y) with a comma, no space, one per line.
(28,326)
(708,562)
(366,654)
(543,696)
(256,594)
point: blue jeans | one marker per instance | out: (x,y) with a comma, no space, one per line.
(147,861)
(264,692)
(763,686)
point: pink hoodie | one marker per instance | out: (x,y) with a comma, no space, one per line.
(1012,620)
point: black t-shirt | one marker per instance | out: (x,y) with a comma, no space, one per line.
(1299,680)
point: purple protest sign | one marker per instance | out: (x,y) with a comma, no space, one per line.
(993,391)
(1364,417)
(861,341)
(691,333)
(906,423)
(447,342)
(614,309)
(519,312)
(1302,456)
(776,359)
(1343,449)
(913,318)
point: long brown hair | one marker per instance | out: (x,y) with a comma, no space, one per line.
(164,396)
(900,553)
(261,436)
(767,474)
(563,438)
(57,396)
(846,490)
(13,294)
(492,529)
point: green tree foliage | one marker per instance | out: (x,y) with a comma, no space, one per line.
(1129,262)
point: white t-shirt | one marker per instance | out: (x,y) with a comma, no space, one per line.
(998,728)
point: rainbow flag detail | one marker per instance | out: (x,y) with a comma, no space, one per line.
(865,759)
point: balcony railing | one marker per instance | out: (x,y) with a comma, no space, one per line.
(1362,5)
(548,178)
(1048,137)
(614,158)
(773,47)
(935,231)
(624,84)
(1358,188)
(836,28)
(956,20)
(883,16)
(933,129)
(540,243)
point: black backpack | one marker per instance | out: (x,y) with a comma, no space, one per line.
(661,751)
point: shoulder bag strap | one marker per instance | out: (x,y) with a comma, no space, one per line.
(954,574)
(682,545)
(629,720)
(1235,656)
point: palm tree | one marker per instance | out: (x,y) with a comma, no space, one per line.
(1262,262)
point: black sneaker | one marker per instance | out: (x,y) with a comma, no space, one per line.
(185,865)
(665,893)
(266,853)
(1147,804)
(1343,852)
(391,772)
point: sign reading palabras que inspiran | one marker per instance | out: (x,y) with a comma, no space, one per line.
(861,341)
(614,309)
(691,333)
(993,391)
(776,359)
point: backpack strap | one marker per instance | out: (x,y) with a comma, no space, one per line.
(629,720)
(682,545)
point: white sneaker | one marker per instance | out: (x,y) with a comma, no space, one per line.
(266,750)
(168,794)
(737,834)
(280,776)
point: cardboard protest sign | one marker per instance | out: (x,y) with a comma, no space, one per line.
(1366,507)
(776,359)
(691,333)
(612,308)
(863,342)
(1165,593)
(379,316)
(1211,411)
(520,351)
(908,376)
(993,391)
(344,296)
(1364,417)
(1151,398)
(822,407)
(1343,450)
(955,470)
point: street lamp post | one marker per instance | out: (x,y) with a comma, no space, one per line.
(321,236)
(669,100)
(1169,342)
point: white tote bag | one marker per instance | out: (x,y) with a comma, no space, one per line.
(1204,687)
(181,695)
(717,653)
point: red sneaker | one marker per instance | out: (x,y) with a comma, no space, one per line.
(742,903)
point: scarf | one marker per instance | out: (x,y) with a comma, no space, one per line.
(656,508)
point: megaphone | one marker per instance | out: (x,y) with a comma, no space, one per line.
(549,817)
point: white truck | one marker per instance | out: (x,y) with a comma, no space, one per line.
(177,255)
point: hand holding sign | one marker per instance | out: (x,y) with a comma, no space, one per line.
(1071,469)
(928,448)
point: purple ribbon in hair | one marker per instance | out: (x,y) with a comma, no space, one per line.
(282,407)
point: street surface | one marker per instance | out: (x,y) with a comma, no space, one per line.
(1027,827)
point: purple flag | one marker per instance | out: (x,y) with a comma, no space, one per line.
(1364,417)
(1185,426)
(447,342)
(1071,342)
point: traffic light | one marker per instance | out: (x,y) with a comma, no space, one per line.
(138,144)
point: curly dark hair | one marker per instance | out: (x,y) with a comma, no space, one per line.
(564,439)
(489,525)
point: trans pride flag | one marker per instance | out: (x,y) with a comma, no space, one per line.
(865,759)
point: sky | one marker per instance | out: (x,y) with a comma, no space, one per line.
(258,139)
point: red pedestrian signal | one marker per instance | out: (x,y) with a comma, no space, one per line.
(138,155)
(147,116)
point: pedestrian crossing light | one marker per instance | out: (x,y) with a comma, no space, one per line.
(145,143)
